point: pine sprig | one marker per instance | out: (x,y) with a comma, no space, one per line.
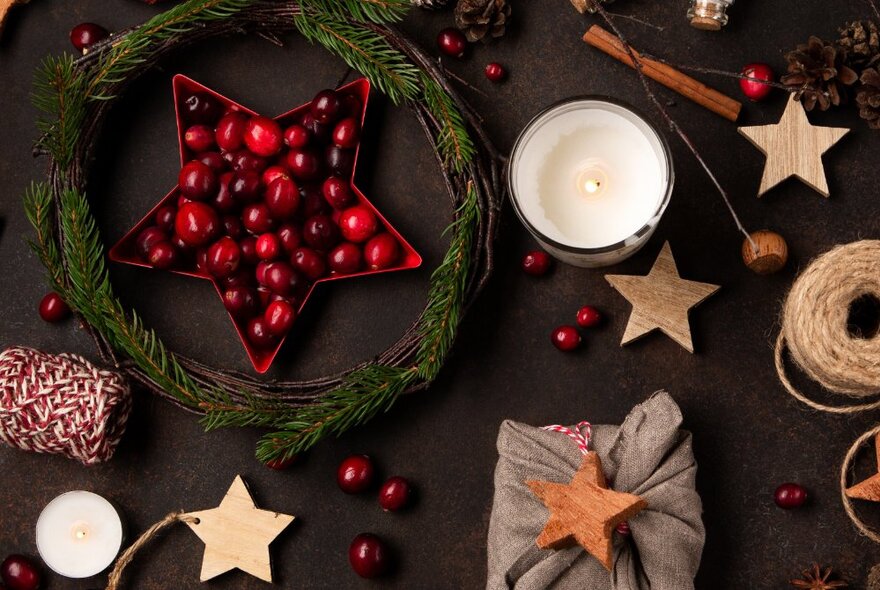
(374,11)
(38,208)
(453,141)
(58,95)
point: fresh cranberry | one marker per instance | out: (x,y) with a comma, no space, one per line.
(257,219)
(339,161)
(199,138)
(230,131)
(303,164)
(588,317)
(273,173)
(326,106)
(369,556)
(790,495)
(279,317)
(358,224)
(282,198)
(224,256)
(313,202)
(53,309)
(245,160)
(337,192)
(394,494)
(244,186)
(280,464)
(248,246)
(319,131)
(20,573)
(223,200)
(565,338)
(232,226)
(754,89)
(258,333)
(536,263)
(623,529)
(289,236)
(355,474)
(268,247)
(345,258)
(309,263)
(320,232)
(213,160)
(196,224)
(452,42)
(351,106)
(381,252)
(182,247)
(240,278)
(260,272)
(147,238)
(280,278)
(201,107)
(263,136)
(296,136)
(346,133)
(164,218)
(162,255)
(495,72)
(84,35)
(240,301)
(202,260)
(197,181)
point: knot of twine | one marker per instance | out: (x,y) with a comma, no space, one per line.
(814,329)
(581,440)
(61,404)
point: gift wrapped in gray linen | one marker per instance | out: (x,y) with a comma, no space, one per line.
(648,456)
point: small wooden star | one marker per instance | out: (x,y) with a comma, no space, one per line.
(816,579)
(237,534)
(793,148)
(5,5)
(584,512)
(661,300)
(868,489)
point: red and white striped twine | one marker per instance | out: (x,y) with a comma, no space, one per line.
(582,440)
(61,404)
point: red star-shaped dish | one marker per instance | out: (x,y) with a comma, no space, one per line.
(266,220)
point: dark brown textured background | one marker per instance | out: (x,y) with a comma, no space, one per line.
(749,435)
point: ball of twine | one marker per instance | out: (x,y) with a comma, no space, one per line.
(61,404)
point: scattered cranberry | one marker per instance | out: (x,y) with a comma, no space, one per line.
(536,263)
(197,181)
(790,495)
(495,72)
(229,134)
(201,107)
(279,317)
(394,494)
(623,529)
(84,35)
(346,258)
(565,338)
(303,164)
(20,573)
(588,317)
(199,138)
(346,133)
(381,252)
(355,474)
(326,106)
(224,256)
(309,263)
(452,42)
(53,309)
(753,89)
(147,238)
(263,136)
(320,232)
(369,556)
(296,136)
(282,198)
(358,224)
(162,255)
(196,224)
(337,192)
(258,333)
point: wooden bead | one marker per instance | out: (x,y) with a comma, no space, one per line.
(772,253)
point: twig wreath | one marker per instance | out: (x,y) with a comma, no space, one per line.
(75,94)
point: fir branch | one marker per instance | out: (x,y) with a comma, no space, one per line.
(58,95)
(453,140)
(38,207)
(376,11)
(365,51)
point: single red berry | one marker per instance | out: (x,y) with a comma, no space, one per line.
(339,161)
(296,136)
(20,573)
(199,138)
(452,42)
(536,263)
(223,200)
(319,131)
(279,317)
(753,89)
(274,173)
(201,107)
(313,202)
(263,136)
(369,556)
(245,160)
(257,219)
(309,263)
(337,192)
(280,278)
(280,464)
(213,160)
(381,252)
(394,494)
(224,256)
(248,246)
(495,72)
(229,134)
(290,237)
(346,133)
(197,181)
(162,255)
(196,224)
(623,529)
(303,164)
(588,317)
(232,227)
(147,238)
(268,247)
(355,474)
(182,247)
(258,333)
(282,198)
(164,217)
(241,278)
(52,308)
(565,338)
(84,35)
(326,106)
(790,495)
(345,258)
(320,232)
(351,106)
(358,224)
(244,186)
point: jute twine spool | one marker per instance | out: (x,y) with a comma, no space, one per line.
(815,331)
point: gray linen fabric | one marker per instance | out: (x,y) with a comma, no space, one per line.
(649,456)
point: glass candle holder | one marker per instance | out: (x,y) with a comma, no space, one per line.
(709,15)
(590,179)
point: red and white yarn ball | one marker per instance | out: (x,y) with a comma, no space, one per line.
(61,404)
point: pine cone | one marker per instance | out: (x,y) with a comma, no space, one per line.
(482,20)
(430,4)
(868,101)
(862,43)
(821,74)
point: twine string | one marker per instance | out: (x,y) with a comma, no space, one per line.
(581,440)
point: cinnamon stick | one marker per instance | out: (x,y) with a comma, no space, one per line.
(688,87)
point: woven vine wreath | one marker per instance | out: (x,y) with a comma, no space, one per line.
(75,95)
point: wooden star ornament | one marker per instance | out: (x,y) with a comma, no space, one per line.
(793,148)
(237,534)
(868,489)
(661,300)
(584,512)
(5,5)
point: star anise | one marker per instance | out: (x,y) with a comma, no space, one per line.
(817,579)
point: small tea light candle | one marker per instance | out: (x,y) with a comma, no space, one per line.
(79,534)
(590,179)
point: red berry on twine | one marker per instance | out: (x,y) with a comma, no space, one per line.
(754,89)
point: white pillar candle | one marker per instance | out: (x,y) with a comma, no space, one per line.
(590,179)
(79,534)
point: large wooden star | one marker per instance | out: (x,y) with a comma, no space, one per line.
(237,534)
(868,489)
(793,148)
(584,512)
(5,5)
(661,300)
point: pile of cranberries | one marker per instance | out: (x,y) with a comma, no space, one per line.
(267,208)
